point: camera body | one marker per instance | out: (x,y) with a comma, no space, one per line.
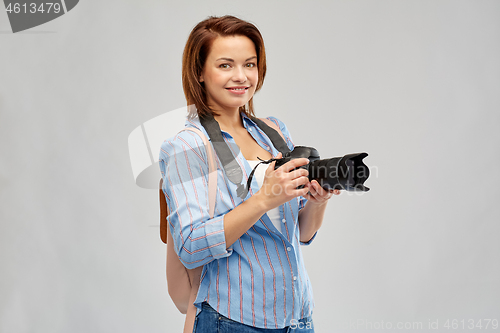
(338,173)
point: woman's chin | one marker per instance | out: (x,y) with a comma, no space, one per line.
(233,107)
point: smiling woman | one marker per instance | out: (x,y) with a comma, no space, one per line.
(245,266)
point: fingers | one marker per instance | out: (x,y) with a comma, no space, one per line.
(289,176)
(318,193)
(293,164)
(272,165)
(316,190)
(298,173)
(300,181)
(335,192)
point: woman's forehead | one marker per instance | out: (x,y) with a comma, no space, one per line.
(232,47)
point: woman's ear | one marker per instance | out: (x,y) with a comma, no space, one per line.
(201,78)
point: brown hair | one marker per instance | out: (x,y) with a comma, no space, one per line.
(196,51)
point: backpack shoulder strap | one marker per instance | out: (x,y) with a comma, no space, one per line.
(212,185)
(212,169)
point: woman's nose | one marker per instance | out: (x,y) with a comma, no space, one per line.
(239,75)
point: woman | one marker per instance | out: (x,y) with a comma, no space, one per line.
(253,277)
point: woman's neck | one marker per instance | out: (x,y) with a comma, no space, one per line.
(229,122)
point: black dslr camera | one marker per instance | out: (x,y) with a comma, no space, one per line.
(338,173)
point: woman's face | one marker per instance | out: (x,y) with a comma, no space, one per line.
(230,74)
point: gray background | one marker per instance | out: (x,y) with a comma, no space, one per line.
(416,84)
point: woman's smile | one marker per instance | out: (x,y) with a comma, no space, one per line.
(238,90)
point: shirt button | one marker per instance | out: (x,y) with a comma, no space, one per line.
(294,278)
(283,220)
(289,249)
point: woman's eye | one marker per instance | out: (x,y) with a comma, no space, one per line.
(250,65)
(224,66)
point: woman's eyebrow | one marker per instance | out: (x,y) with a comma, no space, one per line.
(229,59)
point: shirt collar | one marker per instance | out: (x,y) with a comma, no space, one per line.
(195,122)
(246,120)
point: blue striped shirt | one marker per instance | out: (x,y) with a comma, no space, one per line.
(260,280)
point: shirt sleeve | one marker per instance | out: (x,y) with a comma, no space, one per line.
(198,239)
(309,241)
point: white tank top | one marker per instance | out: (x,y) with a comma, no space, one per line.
(274,214)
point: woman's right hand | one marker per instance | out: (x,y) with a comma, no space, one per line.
(280,185)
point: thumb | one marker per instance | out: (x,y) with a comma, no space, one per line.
(273,163)
(277,157)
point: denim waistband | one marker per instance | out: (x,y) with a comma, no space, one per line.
(206,307)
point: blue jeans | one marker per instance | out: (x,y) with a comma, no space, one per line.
(210,321)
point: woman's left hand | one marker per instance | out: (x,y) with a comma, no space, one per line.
(317,194)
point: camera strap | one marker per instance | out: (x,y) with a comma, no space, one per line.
(275,137)
(231,167)
(277,141)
